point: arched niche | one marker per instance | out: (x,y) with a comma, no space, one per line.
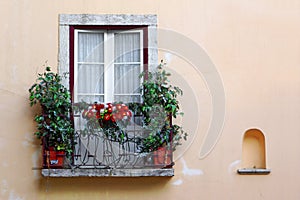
(254,153)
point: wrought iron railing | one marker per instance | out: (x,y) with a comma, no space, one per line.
(96,150)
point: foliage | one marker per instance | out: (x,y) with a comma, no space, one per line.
(54,126)
(160,104)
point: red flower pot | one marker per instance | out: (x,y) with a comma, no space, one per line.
(163,157)
(53,159)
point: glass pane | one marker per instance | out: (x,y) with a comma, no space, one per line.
(126,79)
(127,47)
(90,47)
(90,79)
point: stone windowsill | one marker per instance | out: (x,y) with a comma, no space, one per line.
(253,171)
(168,172)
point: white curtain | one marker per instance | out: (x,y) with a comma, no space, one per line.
(90,79)
(127,67)
(91,47)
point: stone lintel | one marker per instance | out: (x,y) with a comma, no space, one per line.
(107,19)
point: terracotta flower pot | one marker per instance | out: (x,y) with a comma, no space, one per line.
(163,157)
(53,159)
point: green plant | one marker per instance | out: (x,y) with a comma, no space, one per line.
(54,126)
(159,105)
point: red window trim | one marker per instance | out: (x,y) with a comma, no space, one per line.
(104,27)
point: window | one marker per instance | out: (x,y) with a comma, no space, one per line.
(107,63)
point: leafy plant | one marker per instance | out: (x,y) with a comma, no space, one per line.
(160,104)
(54,126)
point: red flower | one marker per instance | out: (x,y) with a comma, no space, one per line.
(129,113)
(118,116)
(90,114)
(113,118)
(94,106)
(98,115)
(109,105)
(109,109)
(106,117)
(109,112)
(118,106)
(100,106)
(124,114)
(125,108)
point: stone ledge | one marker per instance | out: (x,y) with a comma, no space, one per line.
(108,172)
(253,171)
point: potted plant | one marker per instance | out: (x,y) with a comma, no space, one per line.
(54,126)
(159,106)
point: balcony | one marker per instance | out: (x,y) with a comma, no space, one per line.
(98,154)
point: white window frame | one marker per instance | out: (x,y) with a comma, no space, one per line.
(76,63)
(109,62)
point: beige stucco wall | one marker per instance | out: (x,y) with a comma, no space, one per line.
(255,46)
